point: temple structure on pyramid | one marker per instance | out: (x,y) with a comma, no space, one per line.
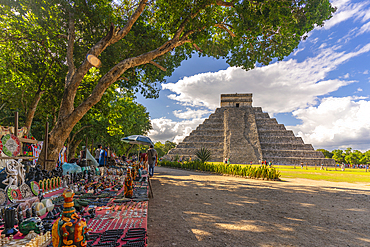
(246,134)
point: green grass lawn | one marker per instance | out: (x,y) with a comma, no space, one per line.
(349,175)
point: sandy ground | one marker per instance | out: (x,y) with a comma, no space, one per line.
(202,209)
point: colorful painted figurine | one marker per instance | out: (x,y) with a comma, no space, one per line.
(70,229)
(128,191)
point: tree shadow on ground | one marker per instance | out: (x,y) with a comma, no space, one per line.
(200,209)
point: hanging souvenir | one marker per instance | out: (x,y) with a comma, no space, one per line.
(27,149)
(1,146)
(11,145)
(35,188)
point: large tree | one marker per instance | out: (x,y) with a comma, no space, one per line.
(140,42)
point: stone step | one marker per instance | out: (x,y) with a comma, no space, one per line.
(266,121)
(261,115)
(281,139)
(192,150)
(213,120)
(199,145)
(257,109)
(286,133)
(202,138)
(271,127)
(210,132)
(285,146)
(207,126)
(291,153)
(297,161)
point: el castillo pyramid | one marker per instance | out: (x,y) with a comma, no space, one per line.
(245,133)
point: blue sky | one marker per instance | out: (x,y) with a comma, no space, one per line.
(321,91)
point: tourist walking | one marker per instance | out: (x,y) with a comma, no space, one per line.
(152,159)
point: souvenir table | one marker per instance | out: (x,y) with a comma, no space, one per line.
(123,221)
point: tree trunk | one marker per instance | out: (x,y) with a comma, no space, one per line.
(31,111)
(72,149)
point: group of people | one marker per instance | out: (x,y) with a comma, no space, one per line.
(150,157)
(101,155)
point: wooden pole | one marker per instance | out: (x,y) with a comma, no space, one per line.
(16,124)
(86,148)
(46,140)
(92,147)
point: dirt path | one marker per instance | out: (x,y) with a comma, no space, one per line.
(201,209)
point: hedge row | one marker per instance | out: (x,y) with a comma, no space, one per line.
(263,172)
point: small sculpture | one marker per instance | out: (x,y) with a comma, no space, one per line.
(70,229)
(31,224)
(128,190)
(12,173)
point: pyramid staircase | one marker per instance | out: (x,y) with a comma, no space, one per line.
(247,134)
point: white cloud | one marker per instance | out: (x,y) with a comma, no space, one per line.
(359,90)
(335,122)
(347,10)
(297,51)
(190,114)
(166,129)
(346,76)
(365,28)
(366,72)
(280,87)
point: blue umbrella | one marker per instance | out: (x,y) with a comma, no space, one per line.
(138,139)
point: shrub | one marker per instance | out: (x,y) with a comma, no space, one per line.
(263,172)
(203,154)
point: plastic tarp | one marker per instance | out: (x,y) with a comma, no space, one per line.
(90,157)
(71,168)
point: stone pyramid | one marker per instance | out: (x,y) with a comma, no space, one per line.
(244,133)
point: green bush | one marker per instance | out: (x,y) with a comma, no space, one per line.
(263,172)
(203,154)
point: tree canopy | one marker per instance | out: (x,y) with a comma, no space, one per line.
(140,42)
(348,156)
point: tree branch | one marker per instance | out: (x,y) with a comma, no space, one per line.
(197,47)
(158,66)
(74,135)
(130,22)
(225,28)
(225,4)
(113,75)
(113,36)
(71,40)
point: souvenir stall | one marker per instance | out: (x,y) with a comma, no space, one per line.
(62,207)
(21,203)
(109,210)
